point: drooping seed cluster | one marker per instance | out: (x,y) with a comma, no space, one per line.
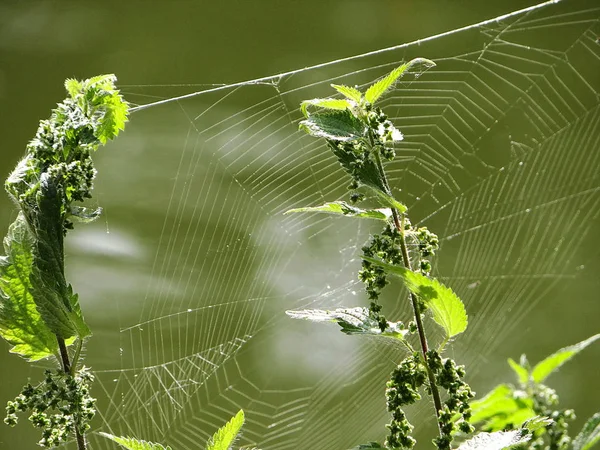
(557,436)
(403,389)
(449,377)
(59,405)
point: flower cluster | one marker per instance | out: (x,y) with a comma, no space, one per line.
(556,437)
(60,405)
(428,243)
(403,389)
(449,377)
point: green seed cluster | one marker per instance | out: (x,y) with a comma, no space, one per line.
(403,389)
(59,405)
(384,132)
(449,377)
(556,437)
(428,243)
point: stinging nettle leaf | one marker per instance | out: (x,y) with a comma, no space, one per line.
(344,209)
(353,321)
(349,92)
(224,437)
(501,407)
(498,440)
(544,368)
(589,434)
(377,89)
(20,322)
(521,372)
(134,444)
(385,199)
(326,103)
(334,125)
(448,310)
(368,446)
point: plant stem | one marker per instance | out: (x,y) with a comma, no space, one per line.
(399,224)
(68,369)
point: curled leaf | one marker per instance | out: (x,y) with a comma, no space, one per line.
(344,209)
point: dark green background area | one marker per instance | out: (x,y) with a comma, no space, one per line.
(188,45)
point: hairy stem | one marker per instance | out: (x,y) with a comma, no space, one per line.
(399,224)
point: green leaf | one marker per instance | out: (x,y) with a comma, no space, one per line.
(53,296)
(368,446)
(20,322)
(376,90)
(134,444)
(448,310)
(84,215)
(544,368)
(522,372)
(498,440)
(344,209)
(349,92)
(326,103)
(386,199)
(589,434)
(334,125)
(501,407)
(224,437)
(352,321)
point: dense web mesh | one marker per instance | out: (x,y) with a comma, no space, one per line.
(499,158)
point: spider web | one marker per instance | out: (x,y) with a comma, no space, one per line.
(500,159)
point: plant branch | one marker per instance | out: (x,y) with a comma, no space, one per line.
(399,224)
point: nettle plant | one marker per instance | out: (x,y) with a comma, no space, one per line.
(362,138)
(40,315)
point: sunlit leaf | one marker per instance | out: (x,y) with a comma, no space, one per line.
(377,89)
(501,407)
(20,322)
(544,368)
(385,199)
(344,209)
(134,444)
(352,321)
(84,215)
(368,446)
(447,309)
(335,125)
(522,372)
(349,92)
(224,437)
(326,103)
(589,434)
(498,440)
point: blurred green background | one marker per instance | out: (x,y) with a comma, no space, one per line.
(184,229)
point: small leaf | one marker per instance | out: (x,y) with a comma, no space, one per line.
(589,434)
(224,437)
(20,322)
(134,444)
(327,103)
(84,215)
(352,321)
(448,310)
(522,372)
(537,423)
(385,199)
(349,92)
(376,90)
(344,209)
(544,368)
(498,440)
(335,125)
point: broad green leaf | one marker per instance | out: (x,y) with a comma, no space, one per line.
(537,423)
(53,296)
(20,322)
(522,372)
(376,90)
(589,434)
(501,407)
(349,92)
(326,103)
(344,209)
(498,440)
(334,125)
(386,199)
(352,321)
(134,444)
(544,368)
(448,310)
(224,437)
(369,446)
